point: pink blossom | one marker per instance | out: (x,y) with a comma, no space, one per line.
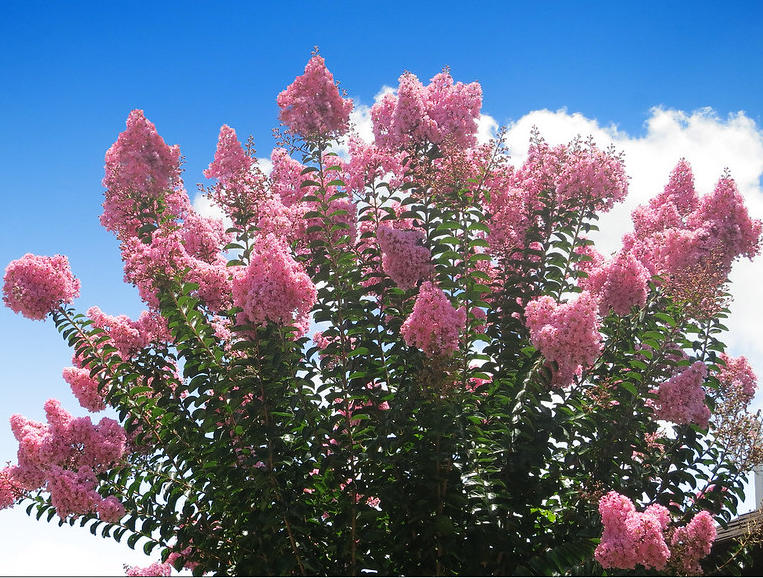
(441,112)
(129,336)
(155,569)
(631,537)
(111,510)
(72,492)
(566,333)
(579,174)
(36,285)
(538,173)
(737,377)
(368,163)
(287,178)
(694,541)
(205,237)
(312,105)
(215,284)
(681,399)
(671,206)
(508,221)
(592,177)
(185,554)
(274,287)
(241,184)
(9,487)
(231,161)
(140,170)
(404,257)
(146,263)
(84,388)
(434,325)
(618,284)
(727,221)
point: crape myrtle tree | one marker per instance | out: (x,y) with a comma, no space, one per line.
(397,357)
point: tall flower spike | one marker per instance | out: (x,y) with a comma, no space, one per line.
(312,105)
(141,170)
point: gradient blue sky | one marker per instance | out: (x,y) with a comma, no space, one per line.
(71,72)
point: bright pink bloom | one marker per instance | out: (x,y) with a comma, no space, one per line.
(369,163)
(694,541)
(155,569)
(84,388)
(738,378)
(404,257)
(592,177)
(231,161)
(566,333)
(215,284)
(73,492)
(111,510)
(729,226)
(508,221)
(9,487)
(274,287)
(129,336)
(141,169)
(205,237)
(631,537)
(312,105)
(671,206)
(186,553)
(681,399)
(35,285)
(287,178)
(241,184)
(441,112)
(618,284)
(434,325)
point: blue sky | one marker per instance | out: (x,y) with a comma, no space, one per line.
(72,71)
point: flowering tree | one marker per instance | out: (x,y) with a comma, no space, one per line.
(402,357)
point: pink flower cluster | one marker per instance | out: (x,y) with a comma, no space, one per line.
(155,569)
(65,455)
(441,112)
(129,336)
(166,256)
(141,170)
(368,163)
(9,489)
(84,388)
(631,537)
(508,220)
(692,542)
(274,287)
(241,185)
(35,285)
(404,257)
(204,238)
(618,284)
(677,231)
(737,378)
(231,161)
(578,172)
(312,105)
(566,334)
(681,399)
(592,175)
(434,325)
